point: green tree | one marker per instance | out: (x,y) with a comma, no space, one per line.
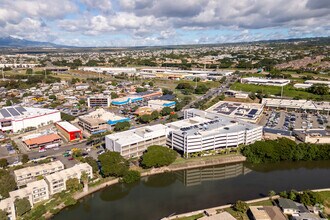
(8,102)
(151,83)
(158,156)
(29,71)
(167,91)
(92,163)
(25,158)
(73,185)
(113,164)
(3,163)
(145,119)
(201,89)
(122,126)
(154,115)
(22,206)
(114,95)
(67,117)
(252,96)
(131,176)
(3,215)
(241,206)
(319,89)
(84,178)
(166,111)
(52,97)
(284,194)
(7,183)
(271,194)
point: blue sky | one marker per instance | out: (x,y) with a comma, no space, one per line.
(162,22)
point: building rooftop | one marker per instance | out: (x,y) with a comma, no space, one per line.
(67,173)
(68,126)
(101,114)
(20,193)
(38,168)
(296,104)
(287,204)
(18,112)
(42,139)
(138,134)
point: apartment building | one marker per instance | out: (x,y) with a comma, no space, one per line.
(36,191)
(98,101)
(8,206)
(134,142)
(29,174)
(57,181)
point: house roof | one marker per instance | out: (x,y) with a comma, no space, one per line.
(287,204)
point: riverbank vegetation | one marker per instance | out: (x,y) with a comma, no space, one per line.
(284,149)
(158,156)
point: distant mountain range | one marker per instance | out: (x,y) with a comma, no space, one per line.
(11,42)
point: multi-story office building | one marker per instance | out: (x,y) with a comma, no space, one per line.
(29,174)
(211,134)
(57,181)
(36,191)
(98,101)
(134,142)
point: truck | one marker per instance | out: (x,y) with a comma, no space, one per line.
(49,146)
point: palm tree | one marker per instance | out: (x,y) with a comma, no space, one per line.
(84,179)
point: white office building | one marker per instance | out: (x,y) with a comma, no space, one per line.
(134,142)
(57,181)
(109,70)
(16,118)
(265,81)
(211,132)
(29,174)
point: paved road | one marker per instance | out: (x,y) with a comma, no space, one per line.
(49,152)
(213,92)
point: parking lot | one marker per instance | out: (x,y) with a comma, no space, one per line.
(283,120)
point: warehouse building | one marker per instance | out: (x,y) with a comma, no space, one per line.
(57,181)
(69,131)
(29,174)
(300,105)
(98,101)
(126,100)
(16,119)
(265,81)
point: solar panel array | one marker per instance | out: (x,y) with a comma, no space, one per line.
(12,111)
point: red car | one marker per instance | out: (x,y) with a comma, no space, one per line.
(70,158)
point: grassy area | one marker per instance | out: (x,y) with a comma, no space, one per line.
(326,197)
(181,160)
(288,91)
(193,217)
(237,215)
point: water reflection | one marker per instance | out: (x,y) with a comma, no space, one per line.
(197,176)
(115,192)
(166,179)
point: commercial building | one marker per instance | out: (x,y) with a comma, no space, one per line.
(134,142)
(196,134)
(296,105)
(99,121)
(36,191)
(57,181)
(265,81)
(109,70)
(315,136)
(98,101)
(15,119)
(42,141)
(160,104)
(149,94)
(250,112)
(209,131)
(69,131)
(126,100)
(29,174)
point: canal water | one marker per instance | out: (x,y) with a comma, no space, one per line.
(178,192)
